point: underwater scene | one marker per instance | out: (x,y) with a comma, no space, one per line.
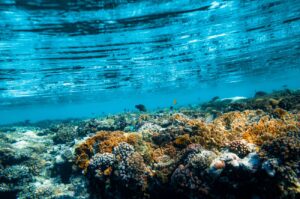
(149,99)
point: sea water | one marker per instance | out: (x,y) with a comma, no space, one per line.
(62,59)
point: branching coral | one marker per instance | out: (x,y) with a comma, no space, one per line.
(101,165)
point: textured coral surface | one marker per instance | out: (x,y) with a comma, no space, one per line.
(248,148)
(195,158)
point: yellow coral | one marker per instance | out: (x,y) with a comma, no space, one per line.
(107,171)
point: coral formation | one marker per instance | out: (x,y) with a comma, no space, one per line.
(197,158)
(286,148)
(247,148)
(240,147)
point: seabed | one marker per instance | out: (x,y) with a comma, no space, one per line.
(225,148)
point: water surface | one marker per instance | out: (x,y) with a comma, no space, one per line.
(71,58)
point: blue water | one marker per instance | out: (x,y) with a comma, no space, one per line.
(83,58)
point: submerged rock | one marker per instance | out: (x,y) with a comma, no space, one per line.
(270,167)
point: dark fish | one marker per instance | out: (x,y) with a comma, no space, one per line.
(260,94)
(171,108)
(141,107)
(215,98)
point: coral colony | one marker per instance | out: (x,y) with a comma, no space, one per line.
(246,148)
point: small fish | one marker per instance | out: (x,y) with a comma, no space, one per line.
(141,107)
(171,108)
(174,101)
(26,122)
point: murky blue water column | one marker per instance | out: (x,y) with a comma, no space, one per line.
(76,58)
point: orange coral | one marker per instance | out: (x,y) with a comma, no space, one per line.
(280,113)
(109,140)
(182,141)
(102,142)
(255,126)
(168,150)
(180,118)
(268,128)
(133,138)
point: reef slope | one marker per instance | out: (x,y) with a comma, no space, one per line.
(225,148)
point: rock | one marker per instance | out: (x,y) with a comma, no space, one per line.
(148,130)
(269,166)
(65,134)
(251,162)
(15,174)
(67,155)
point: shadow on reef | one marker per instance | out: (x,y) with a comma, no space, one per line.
(8,195)
(225,148)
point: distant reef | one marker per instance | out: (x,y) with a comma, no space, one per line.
(226,148)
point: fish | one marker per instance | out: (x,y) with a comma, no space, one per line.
(174,101)
(141,107)
(215,98)
(171,108)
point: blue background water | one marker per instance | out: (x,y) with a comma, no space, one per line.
(80,58)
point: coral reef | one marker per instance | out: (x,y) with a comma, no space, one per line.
(225,148)
(32,166)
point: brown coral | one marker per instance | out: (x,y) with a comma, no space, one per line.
(102,142)
(239,147)
(287,148)
(182,141)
